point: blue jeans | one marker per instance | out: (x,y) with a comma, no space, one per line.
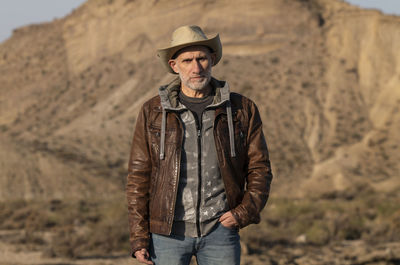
(220,247)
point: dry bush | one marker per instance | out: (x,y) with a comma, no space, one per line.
(78,228)
(87,229)
(364,215)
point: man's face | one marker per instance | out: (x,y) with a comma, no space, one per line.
(193,64)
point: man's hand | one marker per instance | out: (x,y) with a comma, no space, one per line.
(143,256)
(228,220)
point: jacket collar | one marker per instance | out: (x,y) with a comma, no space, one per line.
(169,94)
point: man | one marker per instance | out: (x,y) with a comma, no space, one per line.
(199,168)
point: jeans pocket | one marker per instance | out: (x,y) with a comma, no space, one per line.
(231,229)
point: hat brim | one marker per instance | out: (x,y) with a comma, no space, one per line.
(165,54)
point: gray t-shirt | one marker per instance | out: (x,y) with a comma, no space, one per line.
(196,105)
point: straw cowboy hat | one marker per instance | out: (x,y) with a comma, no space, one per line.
(186,36)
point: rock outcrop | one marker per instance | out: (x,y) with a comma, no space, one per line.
(325,75)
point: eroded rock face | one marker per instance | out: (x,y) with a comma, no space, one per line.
(324,74)
(361,102)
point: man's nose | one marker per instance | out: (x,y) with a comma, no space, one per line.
(197,67)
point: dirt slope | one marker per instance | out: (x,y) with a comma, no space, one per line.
(325,75)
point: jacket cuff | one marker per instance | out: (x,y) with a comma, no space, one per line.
(138,245)
(240,216)
(236,218)
(244,217)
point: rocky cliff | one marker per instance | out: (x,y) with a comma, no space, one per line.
(325,75)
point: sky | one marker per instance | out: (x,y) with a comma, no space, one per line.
(391,7)
(17,13)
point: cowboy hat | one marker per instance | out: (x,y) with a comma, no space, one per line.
(186,36)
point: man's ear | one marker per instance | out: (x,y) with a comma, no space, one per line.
(172,64)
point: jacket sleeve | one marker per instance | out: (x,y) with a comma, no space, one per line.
(259,174)
(137,185)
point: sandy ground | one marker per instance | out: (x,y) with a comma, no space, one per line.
(12,253)
(354,252)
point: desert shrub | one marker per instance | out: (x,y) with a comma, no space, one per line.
(97,230)
(367,215)
(350,228)
(319,233)
(78,228)
(19,215)
(65,243)
(274,60)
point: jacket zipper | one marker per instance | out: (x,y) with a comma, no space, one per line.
(199,134)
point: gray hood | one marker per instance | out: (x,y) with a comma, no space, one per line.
(169,95)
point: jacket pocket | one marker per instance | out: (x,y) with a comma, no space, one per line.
(155,135)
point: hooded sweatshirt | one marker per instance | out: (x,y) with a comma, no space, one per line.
(201,197)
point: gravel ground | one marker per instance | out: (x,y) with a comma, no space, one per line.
(355,252)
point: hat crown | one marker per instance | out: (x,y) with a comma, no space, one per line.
(187,34)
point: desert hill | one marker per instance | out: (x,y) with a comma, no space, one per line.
(325,76)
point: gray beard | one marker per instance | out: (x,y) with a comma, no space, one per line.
(197,86)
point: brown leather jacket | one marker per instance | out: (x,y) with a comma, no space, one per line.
(152,182)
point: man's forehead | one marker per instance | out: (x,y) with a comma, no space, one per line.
(193,50)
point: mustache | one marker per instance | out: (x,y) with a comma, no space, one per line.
(204,75)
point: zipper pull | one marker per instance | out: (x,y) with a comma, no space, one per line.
(198,133)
